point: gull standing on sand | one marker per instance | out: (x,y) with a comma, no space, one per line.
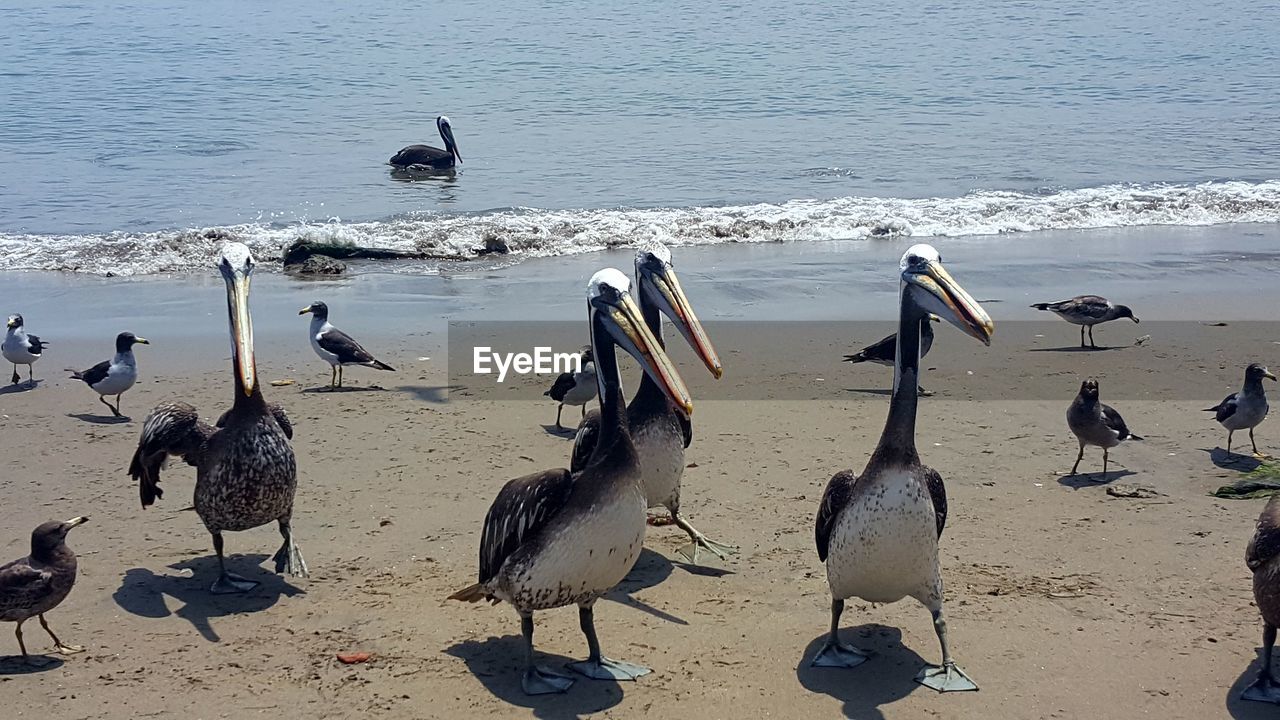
(1095,423)
(20,348)
(1263,559)
(885,352)
(1087,311)
(878,532)
(37,583)
(558,537)
(114,376)
(336,347)
(425,157)
(1245,409)
(575,388)
(660,429)
(246,474)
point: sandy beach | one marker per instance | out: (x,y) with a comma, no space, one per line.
(1067,597)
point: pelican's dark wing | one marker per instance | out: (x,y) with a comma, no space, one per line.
(1113,420)
(419,155)
(834,498)
(1265,544)
(686,425)
(1224,409)
(523,507)
(938,494)
(173,428)
(584,443)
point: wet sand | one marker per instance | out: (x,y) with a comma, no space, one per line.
(1064,600)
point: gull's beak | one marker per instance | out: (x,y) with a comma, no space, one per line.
(1267,374)
(242,329)
(12,324)
(665,289)
(141,341)
(305,310)
(78,520)
(628,328)
(954,304)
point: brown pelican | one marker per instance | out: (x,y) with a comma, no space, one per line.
(1247,408)
(336,347)
(575,388)
(658,427)
(424,157)
(1095,423)
(878,532)
(34,585)
(1263,558)
(245,470)
(114,376)
(1087,311)
(557,537)
(21,348)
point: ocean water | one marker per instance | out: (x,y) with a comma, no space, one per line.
(129,129)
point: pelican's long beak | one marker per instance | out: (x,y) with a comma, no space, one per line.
(956,305)
(78,520)
(242,329)
(674,304)
(305,310)
(628,327)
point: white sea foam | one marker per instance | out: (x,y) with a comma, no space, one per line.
(527,232)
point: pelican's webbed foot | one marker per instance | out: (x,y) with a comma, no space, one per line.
(837,654)
(700,542)
(947,678)
(289,560)
(231,584)
(604,668)
(1262,689)
(539,680)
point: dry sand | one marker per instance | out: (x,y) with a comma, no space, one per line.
(1064,600)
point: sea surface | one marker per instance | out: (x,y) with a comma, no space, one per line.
(129,130)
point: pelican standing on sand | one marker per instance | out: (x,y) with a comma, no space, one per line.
(1263,558)
(660,429)
(557,537)
(36,584)
(1245,409)
(21,348)
(878,532)
(114,376)
(1087,311)
(246,474)
(1095,423)
(575,388)
(425,157)
(336,347)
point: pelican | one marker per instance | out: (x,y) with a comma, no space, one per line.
(878,532)
(1247,408)
(1095,423)
(1263,559)
(661,432)
(114,376)
(21,348)
(246,474)
(1087,311)
(558,537)
(416,157)
(575,388)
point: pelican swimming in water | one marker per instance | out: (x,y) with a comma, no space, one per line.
(878,532)
(246,474)
(1245,409)
(1087,311)
(558,537)
(425,157)
(660,430)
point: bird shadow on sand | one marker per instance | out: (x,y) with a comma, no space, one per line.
(1078,349)
(886,677)
(142,592)
(498,663)
(564,432)
(870,391)
(24,386)
(1232,460)
(1248,709)
(100,419)
(434,394)
(1095,479)
(15,665)
(325,389)
(650,569)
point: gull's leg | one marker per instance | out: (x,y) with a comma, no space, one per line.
(1078,457)
(58,645)
(558,410)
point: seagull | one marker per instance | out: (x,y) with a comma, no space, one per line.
(885,352)
(1245,409)
(1087,311)
(37,583)
(336,347)
(114,376)
(575,388)
(20,348)
(1095,423)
